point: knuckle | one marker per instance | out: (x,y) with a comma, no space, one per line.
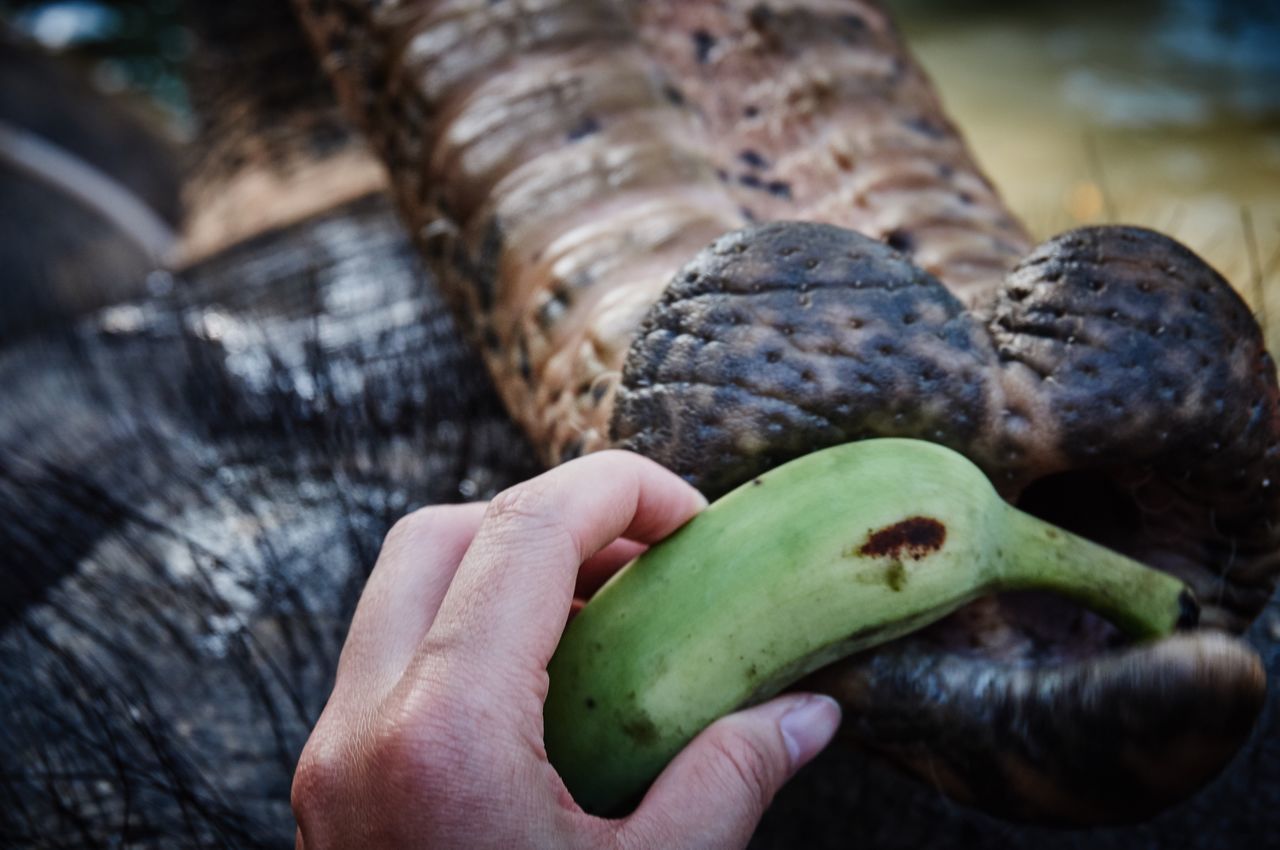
(410,528)
(399,761)
(739,760)
(430,529)
(623,458)
(415,744)
(521,503)
(523,512)
(410,745)
(655,829)
(318,781)
(417,527)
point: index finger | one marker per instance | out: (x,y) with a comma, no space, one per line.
(512,592)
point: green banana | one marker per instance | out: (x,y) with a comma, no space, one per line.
(826,555)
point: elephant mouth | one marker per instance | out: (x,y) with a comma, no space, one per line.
(556,168)
(1115,385)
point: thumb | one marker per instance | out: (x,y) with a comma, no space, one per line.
(714,792)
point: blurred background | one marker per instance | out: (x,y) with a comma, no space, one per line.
(1164,113)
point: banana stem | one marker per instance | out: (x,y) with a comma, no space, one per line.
(1145,603)
(833,552)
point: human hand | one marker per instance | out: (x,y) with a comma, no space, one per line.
(433,734)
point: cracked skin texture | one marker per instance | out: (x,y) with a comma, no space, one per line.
(1113,350)
(787,337)
(1011,746)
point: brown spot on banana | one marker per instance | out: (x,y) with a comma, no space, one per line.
(913,537)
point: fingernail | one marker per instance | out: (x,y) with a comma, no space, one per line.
(808,727)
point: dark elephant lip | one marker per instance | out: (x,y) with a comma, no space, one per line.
(1112,739)
(1114,385)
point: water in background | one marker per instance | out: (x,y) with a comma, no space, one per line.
(1164,113)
